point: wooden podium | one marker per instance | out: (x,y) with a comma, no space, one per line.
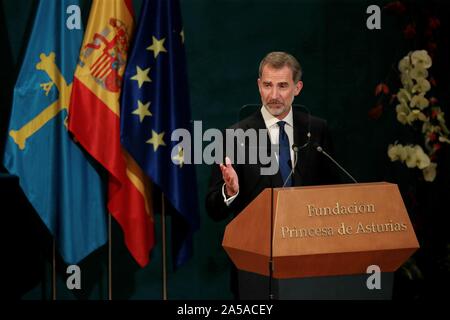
(322,240)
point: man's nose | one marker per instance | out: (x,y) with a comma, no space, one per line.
(274,93)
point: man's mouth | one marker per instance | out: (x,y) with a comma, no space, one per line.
(275,103)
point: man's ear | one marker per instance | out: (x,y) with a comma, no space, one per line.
(298,87)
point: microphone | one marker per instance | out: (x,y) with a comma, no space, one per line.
(320,149)
(295,149)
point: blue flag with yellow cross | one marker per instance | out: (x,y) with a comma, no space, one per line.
(57,177)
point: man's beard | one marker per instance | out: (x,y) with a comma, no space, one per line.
(275,111)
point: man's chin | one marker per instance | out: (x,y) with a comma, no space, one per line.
(276,111)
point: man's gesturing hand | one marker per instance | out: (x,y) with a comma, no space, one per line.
(230,177)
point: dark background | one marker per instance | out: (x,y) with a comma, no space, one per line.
(343,61)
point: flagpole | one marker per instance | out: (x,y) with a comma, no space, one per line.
(109,259)
(163,229)
(54,269)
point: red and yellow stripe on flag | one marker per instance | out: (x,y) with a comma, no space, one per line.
(94,120)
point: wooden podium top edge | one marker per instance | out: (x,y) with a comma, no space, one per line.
(334,186)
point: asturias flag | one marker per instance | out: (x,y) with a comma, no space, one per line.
(155,102)
(54,173)
(95,120)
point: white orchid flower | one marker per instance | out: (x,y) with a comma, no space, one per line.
(403,96)
(429,173)
(421,86)
(419,101)
(421,58)
(418,73)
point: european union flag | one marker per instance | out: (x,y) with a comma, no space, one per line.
(54,173)
(155,102)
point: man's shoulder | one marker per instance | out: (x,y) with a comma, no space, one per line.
(300,117)
(318,121)
(304,119)
(250,121)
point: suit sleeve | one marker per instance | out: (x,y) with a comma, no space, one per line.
(215,205)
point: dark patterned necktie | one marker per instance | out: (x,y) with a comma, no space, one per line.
(285,154)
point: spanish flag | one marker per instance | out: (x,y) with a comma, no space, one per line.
(95,120)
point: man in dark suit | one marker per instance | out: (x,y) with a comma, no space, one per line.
(233,187)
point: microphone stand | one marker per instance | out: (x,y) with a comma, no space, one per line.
(320,149)
(271,295)
(296,149)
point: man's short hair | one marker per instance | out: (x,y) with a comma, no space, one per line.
(278,60)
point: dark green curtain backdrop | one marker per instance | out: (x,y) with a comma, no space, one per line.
(225,40)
